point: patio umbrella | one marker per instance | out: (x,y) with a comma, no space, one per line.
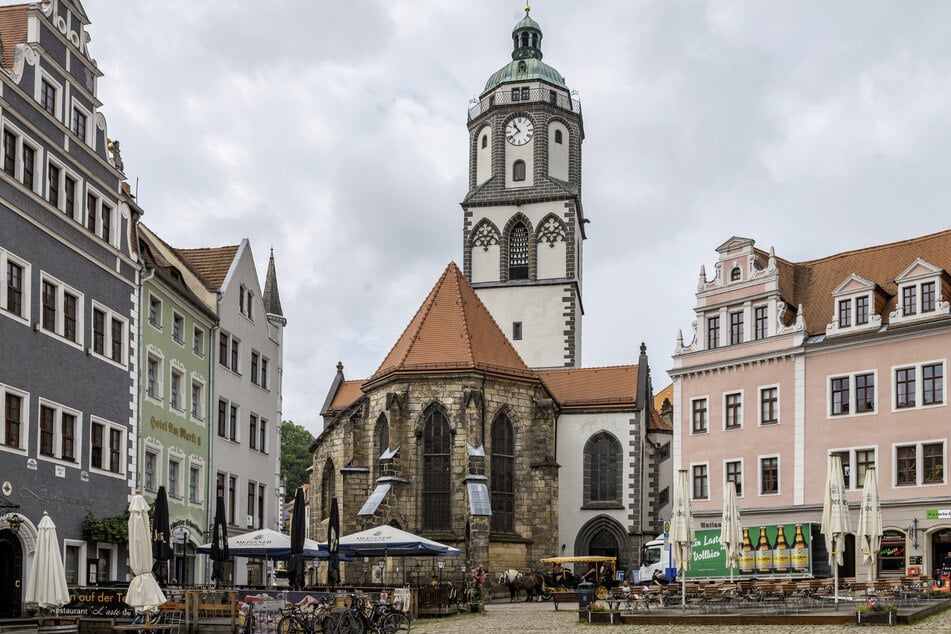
(161,538)
(295,569)
(144,594)
(836,523)
(219,541)
(333,544)
(870,521)
(731,533)
(47,585)
(389,541)
(266,543)
(681,531)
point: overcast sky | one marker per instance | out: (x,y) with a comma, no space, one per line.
(335,132)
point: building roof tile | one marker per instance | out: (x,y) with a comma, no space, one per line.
(210,263)
(13,24)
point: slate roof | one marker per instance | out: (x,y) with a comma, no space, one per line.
(453,331)
(210,263)
(811,283)
(12,30)
(272,296)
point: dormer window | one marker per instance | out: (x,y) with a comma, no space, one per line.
(735,274)
(920,293)
(861,310)
(845,313)
(927,297)
(856,300)
(908,296)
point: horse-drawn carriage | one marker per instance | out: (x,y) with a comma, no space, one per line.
(599,570)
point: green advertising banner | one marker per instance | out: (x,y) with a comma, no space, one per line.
(765,553)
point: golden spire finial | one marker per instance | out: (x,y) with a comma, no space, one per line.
(527,8)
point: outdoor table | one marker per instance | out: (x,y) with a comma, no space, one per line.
(135,627)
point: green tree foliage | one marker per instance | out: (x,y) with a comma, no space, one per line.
(295,457)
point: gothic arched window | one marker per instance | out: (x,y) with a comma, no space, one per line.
(518,252)
(381,442)
(437,450)
(602,469)
(518,171)
(503,475)
(328,485)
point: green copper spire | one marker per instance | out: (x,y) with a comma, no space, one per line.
(526,64)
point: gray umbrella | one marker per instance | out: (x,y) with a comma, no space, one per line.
(295,568)
(161,538)
(219,541)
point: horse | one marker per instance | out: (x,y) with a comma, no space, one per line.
(531,582)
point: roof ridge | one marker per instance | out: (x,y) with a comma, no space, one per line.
(875,247)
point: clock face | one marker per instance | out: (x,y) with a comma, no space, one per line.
(519,131)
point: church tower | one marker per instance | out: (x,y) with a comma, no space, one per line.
(523,224)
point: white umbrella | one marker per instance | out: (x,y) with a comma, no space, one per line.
(47,585)
(870,521)
(731,534)
(681,531)
(144,595)
(836,523)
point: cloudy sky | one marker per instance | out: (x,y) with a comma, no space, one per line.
(335,132)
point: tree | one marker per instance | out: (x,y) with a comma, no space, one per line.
(295,456)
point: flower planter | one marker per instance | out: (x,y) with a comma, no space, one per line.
(876,617)
(476,607)
(597,616)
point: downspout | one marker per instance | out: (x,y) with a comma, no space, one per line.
(212,478)
(140,440)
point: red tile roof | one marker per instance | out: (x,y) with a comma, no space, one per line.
(12,30)
(613,387)
(453,331)
(210,263)
(347,394)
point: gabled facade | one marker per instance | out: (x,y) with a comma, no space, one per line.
(69,309)
(247,361)
(790,362)
(175,394)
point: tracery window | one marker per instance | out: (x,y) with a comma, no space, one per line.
(503,475)
(437,448)
(602,469)
(518,252)
(328,485)
(381,442)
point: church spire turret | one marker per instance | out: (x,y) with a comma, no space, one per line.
(527,37)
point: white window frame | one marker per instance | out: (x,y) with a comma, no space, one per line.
(88,136)
(27,294)
(919,385)
(177,458)
(196,463)
(179,404)
(759,405)
(58,411)
(81,545)
(60,327)
(107,447)
(853,396)
(110,316)
(112,573)
(759,474)
(38,157)
(79,201)
(692,491)
(742,491)
(155,452)
(706,398)
(178,318)
(724,410)
(202,414)
(24,440)
(853,484)
(920,463)
(42,75)
(198,336)
(159,393)
(161,309)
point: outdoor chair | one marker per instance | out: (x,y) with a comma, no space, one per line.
(773,599)
(794,596)
(713,599)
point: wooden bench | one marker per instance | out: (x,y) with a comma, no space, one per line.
(570,596)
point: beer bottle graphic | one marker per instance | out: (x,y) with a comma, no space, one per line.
(747,561)
(781,551)
(764,553)
(799,557)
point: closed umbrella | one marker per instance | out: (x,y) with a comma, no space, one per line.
(47,585)
(333,544)
(836,523)
(295,568)
(681,531)
(870,521)
(731,533)
(219,541)
(144,594)
(161,538)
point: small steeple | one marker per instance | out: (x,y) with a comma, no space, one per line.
(527,37)
(272,297)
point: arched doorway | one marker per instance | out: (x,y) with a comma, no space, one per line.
(11,574)
(940,546)
(604,536)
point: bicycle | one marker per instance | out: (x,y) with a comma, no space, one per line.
(383,618)
(297,620)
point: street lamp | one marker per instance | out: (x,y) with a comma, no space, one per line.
(441,564)
(250,567)
(382,570)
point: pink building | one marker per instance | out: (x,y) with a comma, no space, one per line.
(792,361)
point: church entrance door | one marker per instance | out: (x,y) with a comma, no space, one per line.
(11,574)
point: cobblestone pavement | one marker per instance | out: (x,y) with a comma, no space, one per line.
(542,617)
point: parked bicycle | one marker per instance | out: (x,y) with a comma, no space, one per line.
(315,617)
(382,618)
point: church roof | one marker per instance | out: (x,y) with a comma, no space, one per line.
(453,331)
(612,387)
(346,394)
(526,64)
(210,263)
(272,297)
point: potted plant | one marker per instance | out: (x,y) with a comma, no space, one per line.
(600,613)
(874,613)
(476,598)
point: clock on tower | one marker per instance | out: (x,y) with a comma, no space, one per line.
(522,217)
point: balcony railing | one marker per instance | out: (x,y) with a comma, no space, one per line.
(519,95)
